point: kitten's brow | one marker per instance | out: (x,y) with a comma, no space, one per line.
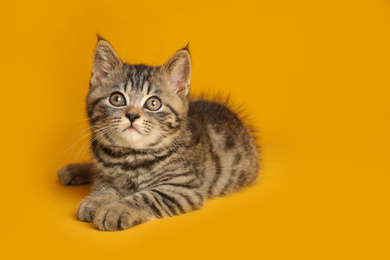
(149,87)
(125,86)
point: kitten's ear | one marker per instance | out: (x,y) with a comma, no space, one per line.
(177,72)
(105,60)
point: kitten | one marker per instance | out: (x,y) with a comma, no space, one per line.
(155,152)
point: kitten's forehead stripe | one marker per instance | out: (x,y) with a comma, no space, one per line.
(149,87)
(146,87)
(142,83)
(130,77)
(125,86)
(138,75)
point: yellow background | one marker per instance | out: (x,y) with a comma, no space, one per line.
(313,75)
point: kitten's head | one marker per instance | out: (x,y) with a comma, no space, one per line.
(137,106)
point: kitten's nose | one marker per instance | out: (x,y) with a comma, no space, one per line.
(132,117)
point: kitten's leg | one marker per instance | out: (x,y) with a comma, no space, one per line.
(147,205)
(75,174)
(101,195)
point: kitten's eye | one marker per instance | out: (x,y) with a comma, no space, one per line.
(153,103)
(117,99)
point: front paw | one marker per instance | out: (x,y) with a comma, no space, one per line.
(116,216)
(74,174)
(89,206)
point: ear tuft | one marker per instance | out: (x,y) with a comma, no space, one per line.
(177,72)
(187,48)
(100,38)
(105,60)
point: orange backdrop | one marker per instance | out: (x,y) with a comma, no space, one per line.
(314,76)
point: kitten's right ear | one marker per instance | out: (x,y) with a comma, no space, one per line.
(105,61)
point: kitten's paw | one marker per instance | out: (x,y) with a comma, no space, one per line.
(74,174)
(115,216)
(89,206)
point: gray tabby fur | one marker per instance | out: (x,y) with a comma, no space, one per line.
(165,162)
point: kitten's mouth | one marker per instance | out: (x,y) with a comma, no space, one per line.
(131,128)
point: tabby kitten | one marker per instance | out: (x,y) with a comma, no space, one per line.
(155,152)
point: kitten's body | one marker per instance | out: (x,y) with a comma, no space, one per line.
(172,160)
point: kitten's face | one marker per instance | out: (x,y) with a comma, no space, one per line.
(138,107)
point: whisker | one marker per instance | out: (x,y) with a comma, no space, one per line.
(96,133)
(94,126)
(79,139)
(99,135)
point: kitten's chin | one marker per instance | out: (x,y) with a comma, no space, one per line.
(131,138)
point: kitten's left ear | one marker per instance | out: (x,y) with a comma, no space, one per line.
(177,72)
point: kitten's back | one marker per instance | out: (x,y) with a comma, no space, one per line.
(224,152)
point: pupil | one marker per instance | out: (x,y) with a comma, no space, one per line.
(118,99)
(154,103)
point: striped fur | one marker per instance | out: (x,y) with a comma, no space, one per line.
(166,162)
